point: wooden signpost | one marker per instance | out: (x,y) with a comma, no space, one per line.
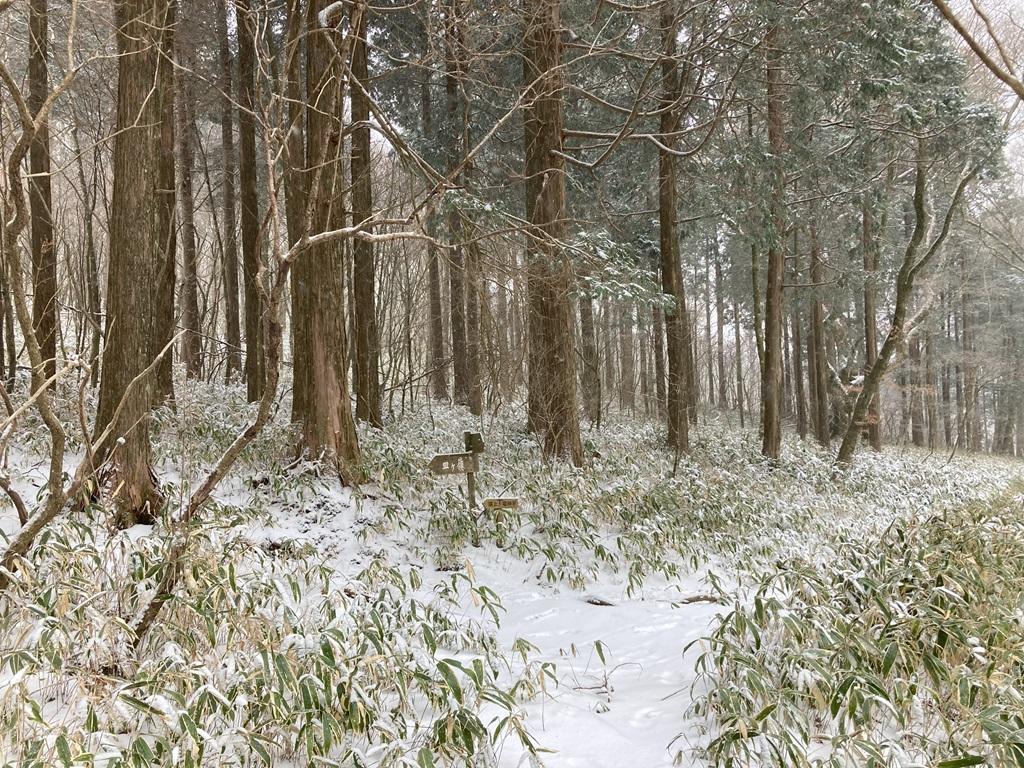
(468,463)
(498,504)
(454,464)
(462,463)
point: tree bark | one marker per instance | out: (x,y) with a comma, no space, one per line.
(708,345)
(164,322)
(191,343)
(44,256)
(677,326)
(972,406)
(659,362)
(251,257)
(739,360)
(328,428)
(590,377)
(627,368)
(227,133)
(455,127)
(723,384)
(295,199)
(931,406)
(552,358)
(144,55)
(437,363)
(457,312)
(798,373)
(817,356)
(92,269)
(869,246)
(917,426)
(364,307)
(771,407)
(947,414)
(474,346)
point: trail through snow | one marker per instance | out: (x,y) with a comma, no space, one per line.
(626,712)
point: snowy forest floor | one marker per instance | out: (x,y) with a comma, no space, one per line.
(630,614)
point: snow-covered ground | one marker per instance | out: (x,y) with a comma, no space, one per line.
(628,709)
(608,574)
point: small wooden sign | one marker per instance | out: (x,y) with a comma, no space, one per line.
(453,463)
(493,505)
(465,463)
(474,441)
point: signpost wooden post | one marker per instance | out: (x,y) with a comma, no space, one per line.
(474,444)
(462,463)
(467,462)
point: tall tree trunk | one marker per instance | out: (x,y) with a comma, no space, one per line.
(787,370)
(251,258)
(739,360)
(455,127)
(817,357)
(972,406)
(692,388)
(958,377)
(552,356)
(364,306)
(229,267)
(590,377)
(474,296)
(8,324)
(504,347)
(947,415)
(328,427)
(191,343)
(438,366)
(627,372)
(709,347)
(929,391)
(227,134)
(723,384)
(296,179)
(92,268)
(659,361)
(757,311)
(144,52)
(917,427)
(798,373)
(44,256)
(771,407)
(164,323)
(7,376)
(457,313)
(437,363)
(869,246)
(642,339)
(677,326)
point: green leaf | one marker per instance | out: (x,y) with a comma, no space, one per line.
(140,705)
(63,749)
(444,666)
(961,762)
(256,744)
